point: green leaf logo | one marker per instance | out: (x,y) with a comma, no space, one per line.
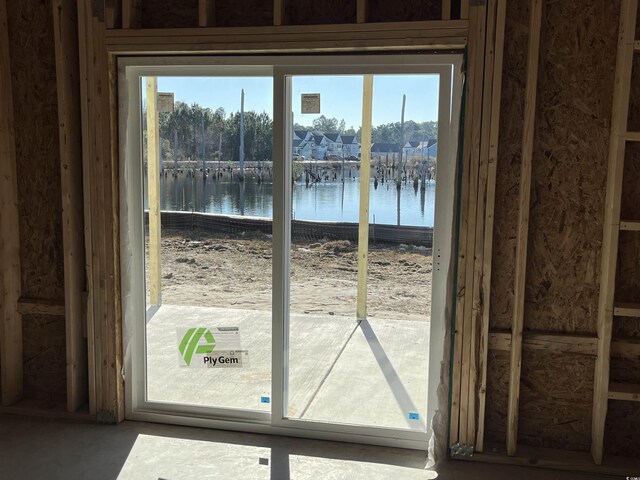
(196,340)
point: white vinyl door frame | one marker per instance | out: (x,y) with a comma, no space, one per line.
(130,71)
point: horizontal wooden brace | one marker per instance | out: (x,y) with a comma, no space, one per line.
(35,306)
(545,341)
(624,391)
(632,136)
(626,310)
(564,344)
(572,461)
(630,225)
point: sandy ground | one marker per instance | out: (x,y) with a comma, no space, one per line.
(204,269)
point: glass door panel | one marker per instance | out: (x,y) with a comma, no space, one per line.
(369,370)
(207,180)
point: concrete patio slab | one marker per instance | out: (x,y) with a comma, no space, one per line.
(372,373)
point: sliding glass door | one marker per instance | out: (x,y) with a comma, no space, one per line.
(359,316)
(289,228)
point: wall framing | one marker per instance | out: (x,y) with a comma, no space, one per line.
(487,338)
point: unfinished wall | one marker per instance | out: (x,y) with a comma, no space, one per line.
(161,14)
(310,12)
(404,11)
(570,155)
(33,76)
(243,13)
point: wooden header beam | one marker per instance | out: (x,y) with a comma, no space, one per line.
(440,34)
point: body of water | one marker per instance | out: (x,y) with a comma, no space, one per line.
(331,200)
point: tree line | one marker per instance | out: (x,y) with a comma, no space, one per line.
(194,132)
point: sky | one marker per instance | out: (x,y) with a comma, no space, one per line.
(340,96)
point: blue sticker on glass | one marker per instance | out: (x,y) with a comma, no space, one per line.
(414,416)
(265,400)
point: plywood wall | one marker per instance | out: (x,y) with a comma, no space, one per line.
(33,75)
(315,12)
(403,11)
(161,14)
(573,112)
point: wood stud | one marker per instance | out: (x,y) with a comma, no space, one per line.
(494,126)
(611,228)
(10,273)
(206,13)
(523,224)
(67,68)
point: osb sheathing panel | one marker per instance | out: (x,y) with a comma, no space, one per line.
(621,429)
(508,166)
(570,155)
(243,13)
(44,358)
(310,12)
(497,396)
(556,393)
(35,113)
(403,10)
(570,160)
(164,14)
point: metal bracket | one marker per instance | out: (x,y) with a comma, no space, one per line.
(461,451)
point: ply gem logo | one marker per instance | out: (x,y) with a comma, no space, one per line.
(198,341)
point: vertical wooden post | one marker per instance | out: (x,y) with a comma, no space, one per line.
(206,13)
(131,13)
(466,332)
(85,45)
(70,133)
(365,174)
(399,179)
(241,153)
(153,179)
(446,9)
(111,13)
(494,127)
(10,276)
(361,12)
(523,225)
(278,12)
(464,9)
(611,228)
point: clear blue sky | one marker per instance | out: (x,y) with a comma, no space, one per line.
(340,96)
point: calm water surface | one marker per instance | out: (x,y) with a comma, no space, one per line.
(333,200)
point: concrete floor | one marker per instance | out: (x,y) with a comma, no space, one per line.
(36,448)
(373,373)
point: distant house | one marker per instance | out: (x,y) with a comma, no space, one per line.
(428,149)
(334,144)
(320,144)
(350,147)
(302,148)
(384,151)
(302,135)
